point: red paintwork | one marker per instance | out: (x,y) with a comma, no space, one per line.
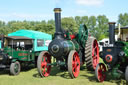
(46,68)
(95,54)
(64,35)
(101,72)
(110,58)
(72,37)
(75,65)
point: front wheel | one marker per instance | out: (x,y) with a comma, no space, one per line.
(73,64)
(100,72)
(44,64)
(15,68)
(126,74)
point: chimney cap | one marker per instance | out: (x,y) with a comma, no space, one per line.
(112,23)
(57,10)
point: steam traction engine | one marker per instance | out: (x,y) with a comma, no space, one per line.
(70,51)
(115,56)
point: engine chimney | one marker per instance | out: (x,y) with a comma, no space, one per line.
(111,32)
(58,33)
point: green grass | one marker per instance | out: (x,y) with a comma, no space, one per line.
(57,77)
(29,76)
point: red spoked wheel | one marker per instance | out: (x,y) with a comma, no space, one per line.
(44,64)
(100,72)
(73,64)
(91,53)
(95,54)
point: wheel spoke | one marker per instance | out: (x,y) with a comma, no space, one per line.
(101,78)
(73,69)
(75,57)
(43,64)
(73,63)
(44,58)
(44,71)
(96,60)
(101,72)
(93,50)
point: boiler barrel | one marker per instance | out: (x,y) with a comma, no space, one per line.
(58,47)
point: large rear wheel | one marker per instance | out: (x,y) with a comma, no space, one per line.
(73,64)
(43,64)
(100,72)
(91,53)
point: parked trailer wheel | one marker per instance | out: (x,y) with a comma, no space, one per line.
(43,64)
(73,64)
(100,72)
(15,68)
(91,53)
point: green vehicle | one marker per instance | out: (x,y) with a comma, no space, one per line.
(22,47)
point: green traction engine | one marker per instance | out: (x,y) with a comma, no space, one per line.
(115,56)
(70,50)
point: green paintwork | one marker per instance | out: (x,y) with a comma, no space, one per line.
(56,63)
(20,54)
(35,35)
(114,72)
(82,35)
(125,48)
(80,39)
(68,35)
(26,55)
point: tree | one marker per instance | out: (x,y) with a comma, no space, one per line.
(102,27)
(123,19)
(52,22)
(84,20)
(68,23)
(92,24)
(78,20)
(2,23)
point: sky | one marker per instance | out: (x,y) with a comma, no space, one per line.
(38,10)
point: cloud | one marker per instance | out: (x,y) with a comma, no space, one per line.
(90,2)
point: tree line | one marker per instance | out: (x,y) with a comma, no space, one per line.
(97,26)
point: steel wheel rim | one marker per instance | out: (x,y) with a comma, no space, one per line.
(75,64)
(45,67)
(16,68)
(95,54)
(101,72)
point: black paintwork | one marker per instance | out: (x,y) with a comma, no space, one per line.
(115,52)
(111,33)
(5,59)
(58,33)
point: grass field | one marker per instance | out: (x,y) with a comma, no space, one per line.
(57,77)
